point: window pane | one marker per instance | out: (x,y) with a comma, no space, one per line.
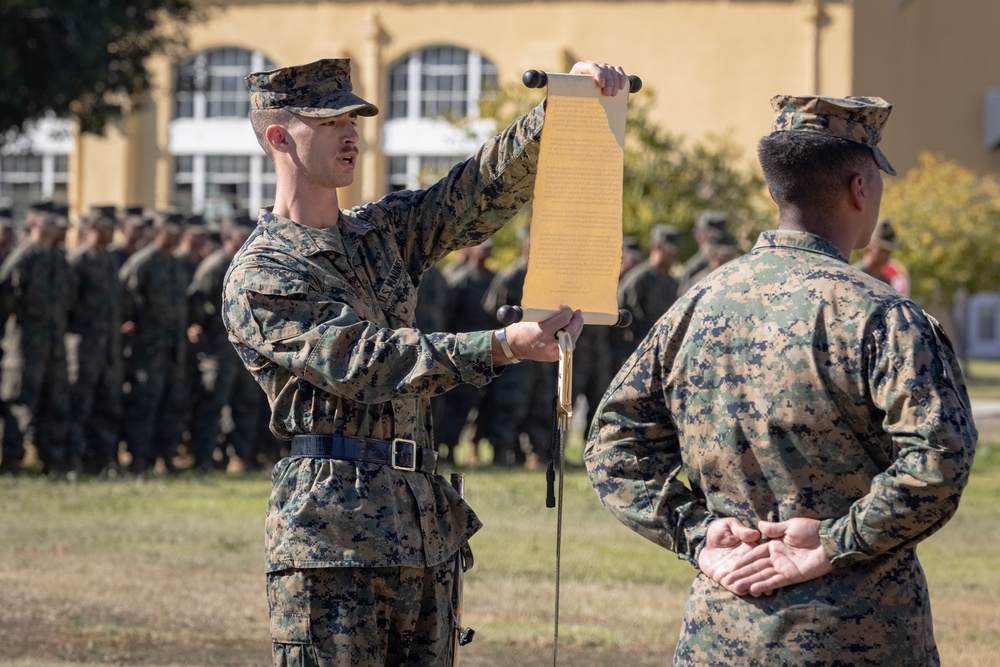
(217,76)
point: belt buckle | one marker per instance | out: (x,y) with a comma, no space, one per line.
(394,453)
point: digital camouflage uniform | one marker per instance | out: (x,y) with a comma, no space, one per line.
(467,287)
(223,378)
(323,318)
(11,442)
(34,287)
(839,400)
(154,296)
(95,395)
(788,384)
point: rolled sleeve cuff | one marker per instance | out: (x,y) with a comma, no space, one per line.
(837,544)
(475,354)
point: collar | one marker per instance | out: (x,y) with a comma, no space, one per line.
(782,238)
(341,238)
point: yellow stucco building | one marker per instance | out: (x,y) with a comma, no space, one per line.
(711,64)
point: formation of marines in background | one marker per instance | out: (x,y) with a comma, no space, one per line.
(118,341)
(115,346)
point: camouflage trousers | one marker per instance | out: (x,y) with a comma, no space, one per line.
(154,408)
(521,402)
(361,617)
(96,397)
(41,400)
(451,413)
(224,380)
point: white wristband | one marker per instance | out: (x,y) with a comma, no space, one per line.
(505,346)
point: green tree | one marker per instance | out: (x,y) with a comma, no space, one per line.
(82,58)
(667,179)
(670,180)
(947,219)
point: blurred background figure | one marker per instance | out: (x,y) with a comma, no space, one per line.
(621,341)
(154,314)
(650,288)
(717,246)
(519,401)
(222,378)
(709,226)
(467,286)
(134,232)
(34,290)
(878,261)
(94,346)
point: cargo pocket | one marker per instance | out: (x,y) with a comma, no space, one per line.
(289,616)
(290,628)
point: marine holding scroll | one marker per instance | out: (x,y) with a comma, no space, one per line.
(319,303)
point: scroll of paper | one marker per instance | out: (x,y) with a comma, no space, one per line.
(576,222)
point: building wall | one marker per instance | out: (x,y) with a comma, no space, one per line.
(934,61)
(711,64)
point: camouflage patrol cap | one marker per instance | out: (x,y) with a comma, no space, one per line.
(665,235)
(319,89)
(857,119)
(102,215)
(195,224)
(42,207)
(711,219)
(61,214)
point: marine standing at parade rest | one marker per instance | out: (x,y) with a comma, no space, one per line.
(648,290)
(94,322)
(35,290)
(820,419)
(154,314)
(222,379)
(320,305)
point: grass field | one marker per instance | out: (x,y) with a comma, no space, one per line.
(169,572)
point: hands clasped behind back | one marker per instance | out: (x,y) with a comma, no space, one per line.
(733,556)
(538,341)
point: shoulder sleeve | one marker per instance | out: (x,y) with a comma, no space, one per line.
(633,457)
(915,380)
(472,202)
(317,337)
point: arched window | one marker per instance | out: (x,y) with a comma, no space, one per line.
(429,89)
(218,167)
(210,83)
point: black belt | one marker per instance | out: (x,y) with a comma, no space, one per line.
(399,453)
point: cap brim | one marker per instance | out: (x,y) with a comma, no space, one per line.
(336,106)
(882,162)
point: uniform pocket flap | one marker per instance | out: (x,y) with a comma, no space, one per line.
(275,286)
(290,628)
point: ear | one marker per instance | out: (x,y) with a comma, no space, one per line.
(278,138)
(859,191)
(771,194)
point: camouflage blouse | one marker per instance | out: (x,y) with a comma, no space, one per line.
(789,384)
(323,319)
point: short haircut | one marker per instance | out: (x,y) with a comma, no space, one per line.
(810,170)
(261,119)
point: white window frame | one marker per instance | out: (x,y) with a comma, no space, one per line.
(199,136)
(415,137)
(48,138)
